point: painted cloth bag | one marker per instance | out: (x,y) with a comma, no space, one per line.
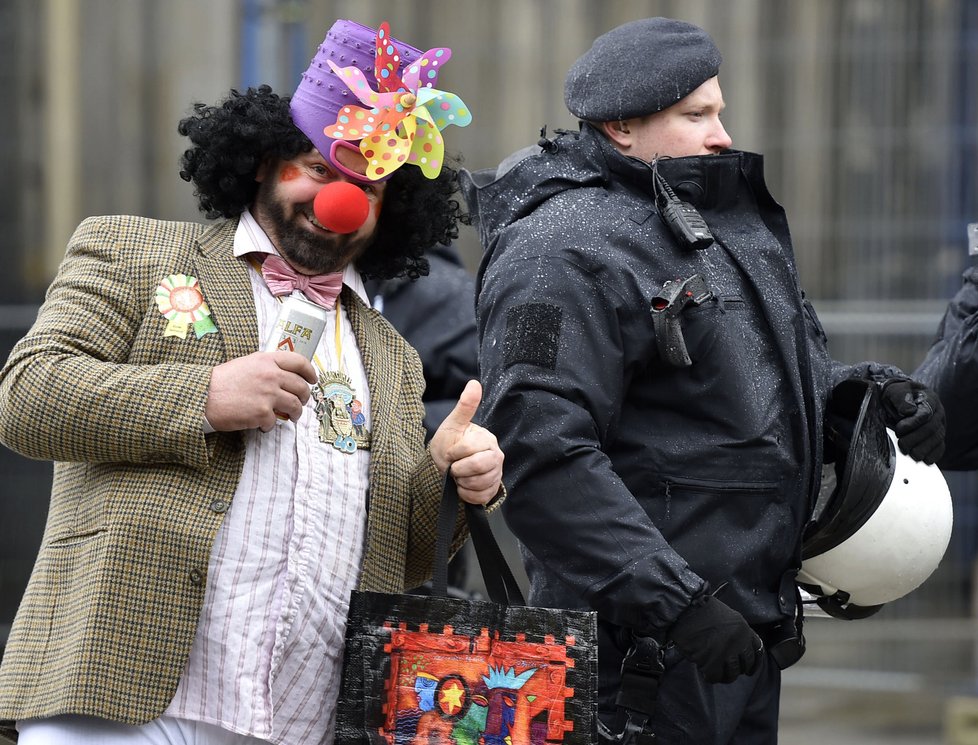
(444,670)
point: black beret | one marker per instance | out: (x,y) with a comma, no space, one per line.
(640,68)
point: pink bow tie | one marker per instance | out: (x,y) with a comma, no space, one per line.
(282,279)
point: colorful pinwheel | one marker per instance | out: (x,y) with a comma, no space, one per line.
(405,116)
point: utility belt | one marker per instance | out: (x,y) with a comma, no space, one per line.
(641,671)
(644,664)
(783,641)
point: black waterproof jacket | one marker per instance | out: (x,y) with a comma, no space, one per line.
(636,485)
(951,369)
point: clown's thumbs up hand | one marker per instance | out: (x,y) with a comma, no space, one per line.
(469,452)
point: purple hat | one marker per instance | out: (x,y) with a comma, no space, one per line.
(321,93)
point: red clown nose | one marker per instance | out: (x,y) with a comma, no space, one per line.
(341,207)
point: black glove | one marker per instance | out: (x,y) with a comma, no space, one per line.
(718,640)
(915,413)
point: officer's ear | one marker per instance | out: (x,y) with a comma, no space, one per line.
(619,133)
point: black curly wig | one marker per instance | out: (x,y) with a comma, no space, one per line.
(232,139)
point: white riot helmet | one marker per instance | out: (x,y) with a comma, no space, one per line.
(882,528)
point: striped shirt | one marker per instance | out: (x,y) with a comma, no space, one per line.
(267,657)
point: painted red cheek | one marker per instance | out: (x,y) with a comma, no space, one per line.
(289,173)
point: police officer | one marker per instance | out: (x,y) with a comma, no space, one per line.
(658,382)
(951,369)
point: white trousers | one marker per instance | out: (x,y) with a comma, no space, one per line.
(73,729)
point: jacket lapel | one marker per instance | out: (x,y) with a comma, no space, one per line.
(227,288)
(383,370)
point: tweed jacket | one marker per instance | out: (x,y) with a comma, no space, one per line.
(107,622)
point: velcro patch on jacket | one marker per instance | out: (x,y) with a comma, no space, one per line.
(532,334)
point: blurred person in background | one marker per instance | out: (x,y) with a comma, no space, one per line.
(658,381)
(436,315)
(205,526)
(951,369)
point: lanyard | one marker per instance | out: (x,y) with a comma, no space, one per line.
(338,335)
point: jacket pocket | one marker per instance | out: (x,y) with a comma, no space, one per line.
(76,539)
(736,532)
(707,329)
(56,622)
(813,322)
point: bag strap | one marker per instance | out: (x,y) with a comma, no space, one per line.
(501,585)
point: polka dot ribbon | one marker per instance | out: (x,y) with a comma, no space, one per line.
(403,118)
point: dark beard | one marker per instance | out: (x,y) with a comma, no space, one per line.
(313,253)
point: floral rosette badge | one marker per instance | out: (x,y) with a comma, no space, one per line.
(181,302)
